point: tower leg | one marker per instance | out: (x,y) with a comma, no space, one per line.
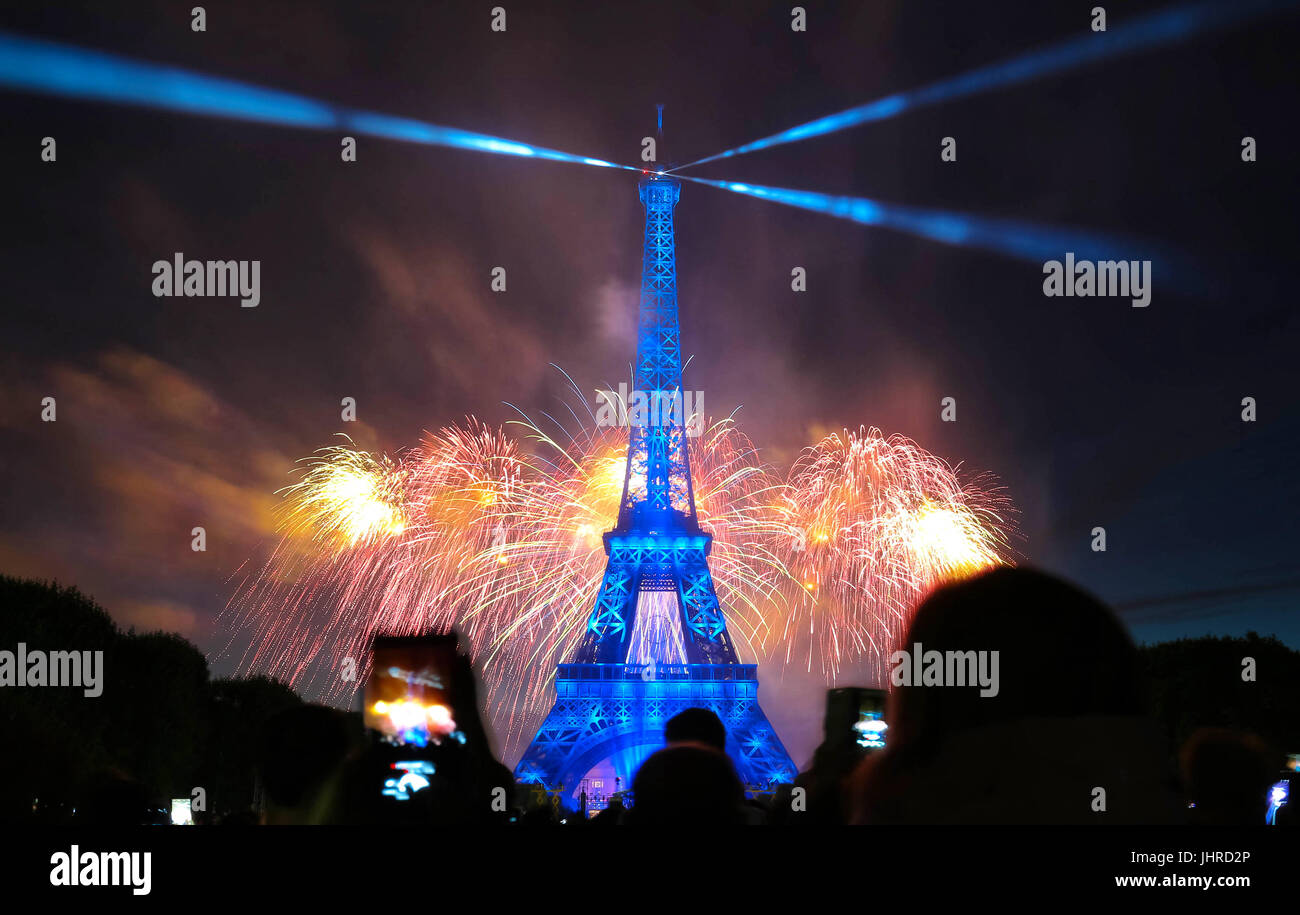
(610,628)
(703,625)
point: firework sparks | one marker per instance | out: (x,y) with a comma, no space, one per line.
(347,496)
(872,524)
(500,535)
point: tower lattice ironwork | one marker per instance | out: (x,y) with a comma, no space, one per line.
(610,705)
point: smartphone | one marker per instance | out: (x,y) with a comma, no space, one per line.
(858,715)
(408,696)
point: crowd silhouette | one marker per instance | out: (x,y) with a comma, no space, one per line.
(1068,737)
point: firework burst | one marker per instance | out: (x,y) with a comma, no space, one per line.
(500,535)
(871,525)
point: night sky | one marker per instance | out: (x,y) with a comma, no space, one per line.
(375,278)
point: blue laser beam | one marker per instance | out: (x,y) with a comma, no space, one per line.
(1151,31)
(49,68)
(1027,241)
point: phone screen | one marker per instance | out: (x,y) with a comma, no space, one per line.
(869,729)
(408,695)
(856,714)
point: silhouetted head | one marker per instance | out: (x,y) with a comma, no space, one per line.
(687,784)
(1061,653)
(1227,775)
(1054,710)
(696,725)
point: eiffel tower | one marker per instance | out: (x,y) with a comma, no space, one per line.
(656,642)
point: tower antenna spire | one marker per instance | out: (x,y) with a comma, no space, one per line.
(659,142)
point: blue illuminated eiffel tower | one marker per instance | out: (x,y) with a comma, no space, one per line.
(628,678)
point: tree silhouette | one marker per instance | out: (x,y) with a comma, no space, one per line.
(237,711)
(159,720)
(1198,683)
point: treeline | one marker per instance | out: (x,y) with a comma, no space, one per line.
(1249,684)
(160,722)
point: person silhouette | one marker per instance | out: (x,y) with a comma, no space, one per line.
(1063,738)
(687,784)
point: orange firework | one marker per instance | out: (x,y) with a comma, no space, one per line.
(871,524)
(501,537)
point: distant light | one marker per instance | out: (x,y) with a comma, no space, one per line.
(1277,797)
(181,814)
